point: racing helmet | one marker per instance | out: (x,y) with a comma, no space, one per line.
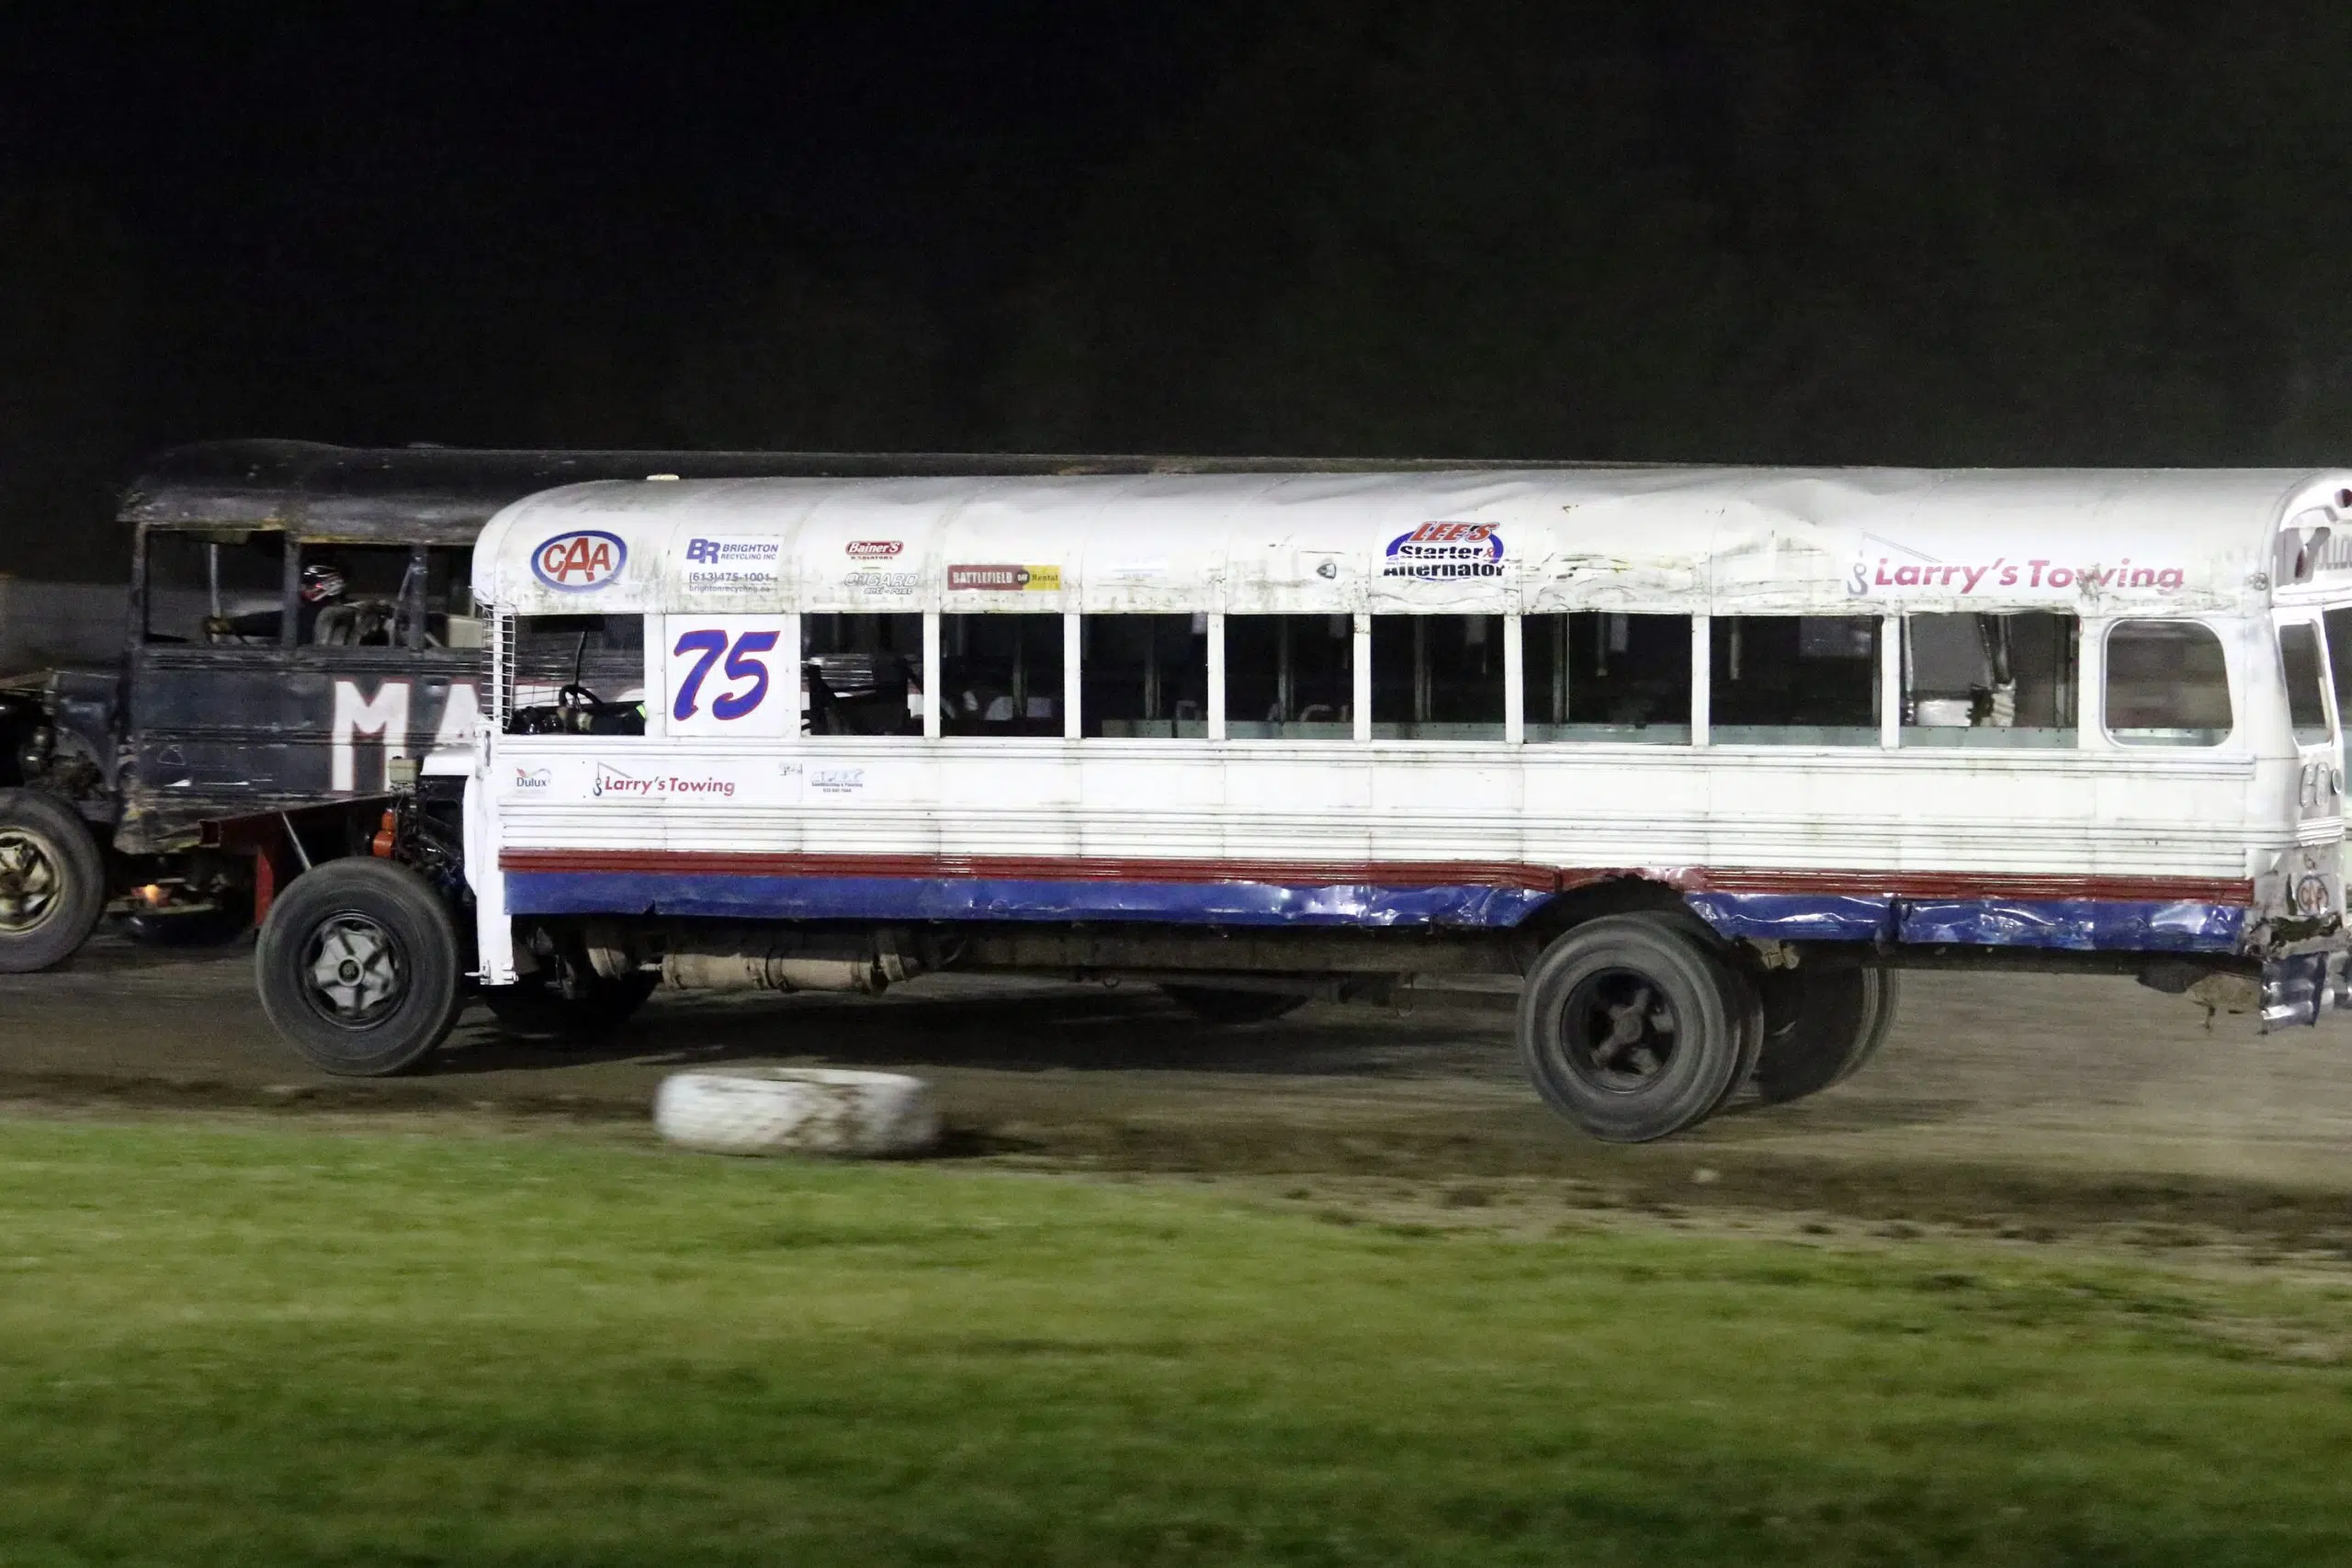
(321,584)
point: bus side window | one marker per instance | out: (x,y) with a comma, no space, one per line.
(576,675)
(1793,681)
(2339,659)
(1145,676)
(1000,674)
(225,592)
(1988,680)
(861,674)
(1290,677)
(1594,676)
(2299,661)
(449,618)
(2167,684)
(1437,677)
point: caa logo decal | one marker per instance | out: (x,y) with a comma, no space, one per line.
(588,558)
(1438,550)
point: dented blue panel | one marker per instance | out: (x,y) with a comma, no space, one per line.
(2085,924)
(1795,917)
(720,895)
(2077,924)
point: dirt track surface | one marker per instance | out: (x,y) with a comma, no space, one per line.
(2014,1104)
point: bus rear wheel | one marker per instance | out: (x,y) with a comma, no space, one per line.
(1632,1028)
(357,967)
(1821,1025)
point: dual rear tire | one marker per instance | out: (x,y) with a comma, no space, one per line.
(1635,1027)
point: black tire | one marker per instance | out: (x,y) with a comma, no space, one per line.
(1631,1027)
(1742,999)
(1821,1024)
(1887,1003)
(53,881)
(358,966)
(1213,1005)
(593,1008)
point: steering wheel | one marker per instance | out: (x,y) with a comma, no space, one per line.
(576,696)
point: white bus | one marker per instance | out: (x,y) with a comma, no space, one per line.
(1706,755)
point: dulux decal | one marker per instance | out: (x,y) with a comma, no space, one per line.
(1441,551)
(587,558)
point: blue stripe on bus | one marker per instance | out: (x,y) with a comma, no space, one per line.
(2080,924)
(990,899)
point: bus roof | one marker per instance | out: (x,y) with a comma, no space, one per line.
(443,495)
(1482,539)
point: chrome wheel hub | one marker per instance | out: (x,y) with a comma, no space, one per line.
(355,969)
(29,883)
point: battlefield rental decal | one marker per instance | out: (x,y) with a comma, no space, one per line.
(1440,551)
(1007,579)
(587,558)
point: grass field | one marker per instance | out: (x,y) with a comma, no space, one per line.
(248,1343)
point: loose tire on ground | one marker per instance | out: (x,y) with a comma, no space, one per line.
(1631,1028)
(1821,1024)
(358,969)
(53,881)
(1213,1005)
(775,1111)
(594,1008)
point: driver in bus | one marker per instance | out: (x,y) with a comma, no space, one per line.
(323,586)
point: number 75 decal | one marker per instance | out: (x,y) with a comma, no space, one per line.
(720,680)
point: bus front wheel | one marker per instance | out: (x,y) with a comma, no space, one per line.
(1633,1028)
(357,967)
(53,881)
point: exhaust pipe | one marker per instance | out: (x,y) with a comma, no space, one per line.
(755,958)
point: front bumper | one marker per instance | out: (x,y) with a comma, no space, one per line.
(2300,988)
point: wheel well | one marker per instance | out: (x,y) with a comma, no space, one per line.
(1626,895)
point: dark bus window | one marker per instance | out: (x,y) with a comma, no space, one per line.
(2299,657)
(217,594)
(2339,659)
(1145,676)
(577,675)
(1000,674)
(1793,681)
(451,620)
(1989,681)
(1596,676)
(2167,684)
(861,674)
(1290,677)
(1437,677)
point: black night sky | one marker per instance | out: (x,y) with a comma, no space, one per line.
(2111,232)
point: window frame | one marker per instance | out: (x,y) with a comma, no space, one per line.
(2231,682)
